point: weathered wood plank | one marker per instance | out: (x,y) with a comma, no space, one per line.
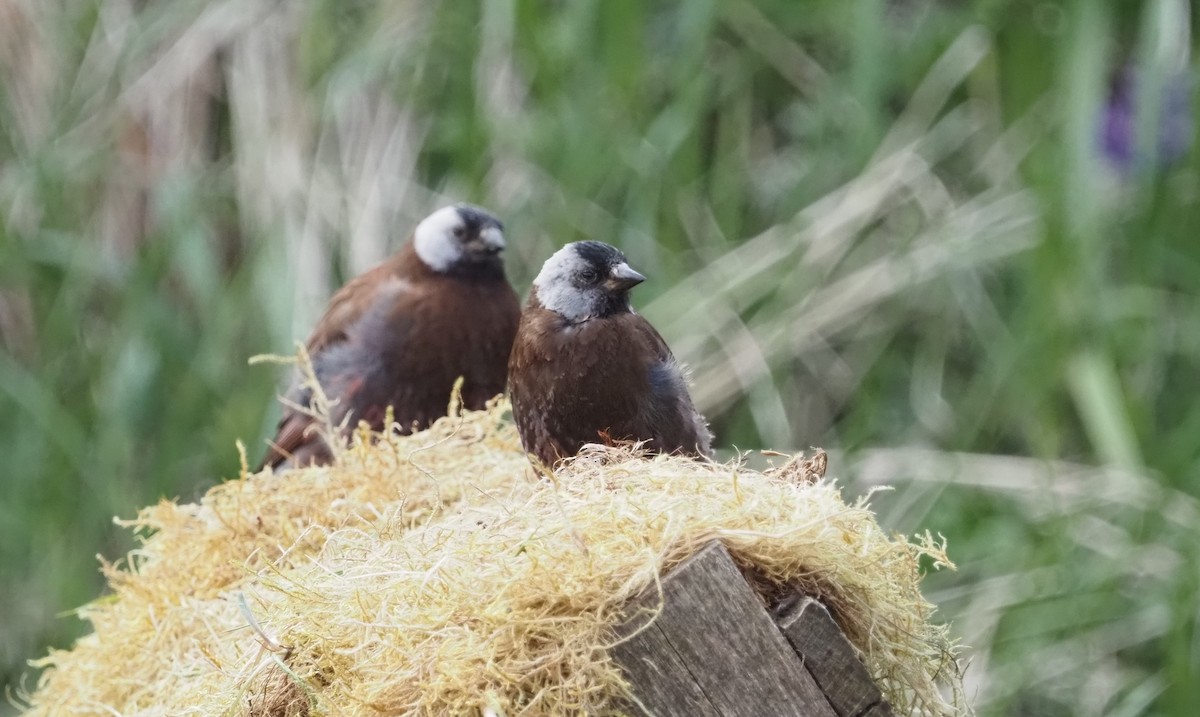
(830,658)
(723,637)
(880,709)
(658,677)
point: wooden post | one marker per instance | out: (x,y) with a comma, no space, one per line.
(715,651)
(831,660)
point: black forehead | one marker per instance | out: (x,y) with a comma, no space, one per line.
(599,254)
(477,217)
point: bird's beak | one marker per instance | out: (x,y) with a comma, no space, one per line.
(622,277)
(490,241)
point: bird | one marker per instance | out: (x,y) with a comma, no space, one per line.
(403,332)
(586,368)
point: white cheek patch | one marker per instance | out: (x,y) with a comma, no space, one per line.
(434,239)
(555,289)
(573,304)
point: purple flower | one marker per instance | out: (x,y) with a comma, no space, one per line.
(1119,124)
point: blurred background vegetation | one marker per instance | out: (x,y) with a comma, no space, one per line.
(953,241)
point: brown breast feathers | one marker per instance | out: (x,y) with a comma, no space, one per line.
(610,378)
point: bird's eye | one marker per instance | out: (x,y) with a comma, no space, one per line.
(459,231)
(588,275)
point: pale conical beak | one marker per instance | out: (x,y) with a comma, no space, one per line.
(622,277)
(490,241)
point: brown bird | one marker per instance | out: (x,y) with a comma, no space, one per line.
(400,335)
(586,369)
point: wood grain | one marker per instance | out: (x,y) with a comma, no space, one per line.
(830,658)
(715,628)
(659,678)
(880,709)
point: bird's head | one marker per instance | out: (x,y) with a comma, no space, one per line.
(587,279)
(460,237)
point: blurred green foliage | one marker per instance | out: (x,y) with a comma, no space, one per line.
(884,226)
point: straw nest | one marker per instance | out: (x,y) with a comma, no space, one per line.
(438,573)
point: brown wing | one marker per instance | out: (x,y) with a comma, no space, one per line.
(666,415)
(348,305)
(296,442)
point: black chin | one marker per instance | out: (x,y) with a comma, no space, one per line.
(615,302)
(473,265)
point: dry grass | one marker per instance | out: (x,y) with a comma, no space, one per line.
(438,573)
